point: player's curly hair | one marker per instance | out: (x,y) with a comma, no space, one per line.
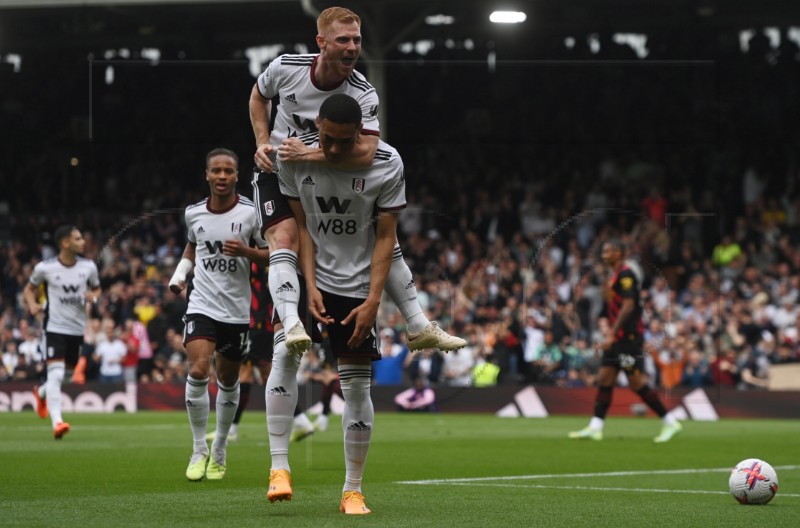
(336,14)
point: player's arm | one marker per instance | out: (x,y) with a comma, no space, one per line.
(92,295)
(260,111)
(365,314)
(237,248)
(294,150)
(178,281)
(29,293)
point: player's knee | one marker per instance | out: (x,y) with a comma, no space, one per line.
(199,371)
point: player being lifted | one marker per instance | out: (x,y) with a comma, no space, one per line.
(302,83)
(71,283)
(623,347)
(219,230)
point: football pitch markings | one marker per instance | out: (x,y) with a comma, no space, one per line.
(502,481)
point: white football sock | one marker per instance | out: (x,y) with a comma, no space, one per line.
(227,401)
(197,405)
(284,286)
(281,397)
(402,289)
(596,423)
(357,420)
(55,378)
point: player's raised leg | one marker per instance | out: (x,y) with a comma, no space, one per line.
(422,333)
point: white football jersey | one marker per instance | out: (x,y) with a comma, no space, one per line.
(292,77)
(221,286)
(65,289)
(340,207)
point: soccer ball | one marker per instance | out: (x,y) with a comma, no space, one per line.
(753,481)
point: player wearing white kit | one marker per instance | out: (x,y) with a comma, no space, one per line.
(301,83)
(219,230)
(71,282)
(347,221)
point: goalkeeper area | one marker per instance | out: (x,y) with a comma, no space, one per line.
(126,470)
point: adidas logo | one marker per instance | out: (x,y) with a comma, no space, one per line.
(229,404)
(411,284)
(359,426)
(291,98)
(308,181)
(189,403)
(201,230)
(285,287)
(278,391)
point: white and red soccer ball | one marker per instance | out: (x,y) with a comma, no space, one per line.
(753,481)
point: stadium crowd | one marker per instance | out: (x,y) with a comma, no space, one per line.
(503,227)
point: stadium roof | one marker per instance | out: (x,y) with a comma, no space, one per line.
(82,24)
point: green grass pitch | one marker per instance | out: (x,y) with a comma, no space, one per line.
(125,470)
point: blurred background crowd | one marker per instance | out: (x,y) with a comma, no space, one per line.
(512,187)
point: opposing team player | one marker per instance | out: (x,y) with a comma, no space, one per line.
(219,229)
(623,347)
(71,282)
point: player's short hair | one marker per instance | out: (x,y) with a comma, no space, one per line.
(222,152)
(615,243)
(62,232)
(340,108)
(336,14)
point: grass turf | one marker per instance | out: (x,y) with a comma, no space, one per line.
(126,470)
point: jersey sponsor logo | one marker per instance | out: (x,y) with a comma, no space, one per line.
(71,288)
(303,124)
(358,185)
(218,264)
(214,247)
(326,206)
(308,181)
(291,98)
(269,208)
(236,227)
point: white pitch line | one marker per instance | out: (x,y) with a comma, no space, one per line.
(580,475)
(598,488)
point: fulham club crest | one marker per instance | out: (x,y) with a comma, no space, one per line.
(358,185)
(190,327)
(236,227)
(269,207)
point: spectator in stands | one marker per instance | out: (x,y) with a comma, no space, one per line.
(419,398)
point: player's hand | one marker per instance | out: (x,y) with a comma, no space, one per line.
(177,286)
(317,307)
(364,316)
(262,157)
(35,309)
(606,346)
(292,150)
(234,248)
